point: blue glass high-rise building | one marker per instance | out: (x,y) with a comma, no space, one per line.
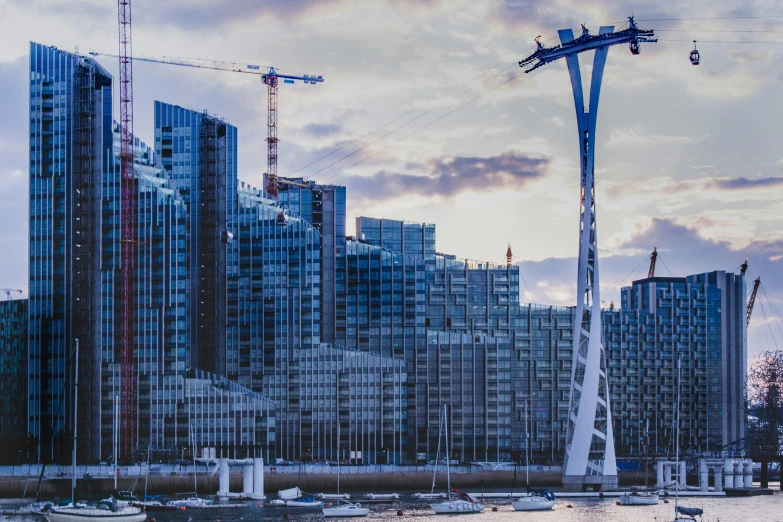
(263,330)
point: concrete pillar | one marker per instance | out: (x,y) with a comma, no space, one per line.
(681,475)
(738,481)
(667,473)
(223,478)
(247,480)
(728,473)
(704,475)
(718,473)
(748,475)
(659,471)
(258,478)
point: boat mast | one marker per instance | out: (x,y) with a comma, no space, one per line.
(338,458)
(195,481)
(117,438)
(646,450)
(75,425)
(677,445)
(437,456)
(446,431)
(527,447)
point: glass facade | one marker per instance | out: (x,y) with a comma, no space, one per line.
(413,239)
(13,374)
(700,318)
(261,334)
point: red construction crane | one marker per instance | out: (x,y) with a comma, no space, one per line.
(653,259)
(752,299)
(127,220)
(270,78)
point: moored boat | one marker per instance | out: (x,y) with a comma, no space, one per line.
(640,498)
(100,512)
(536,500)
(346,510)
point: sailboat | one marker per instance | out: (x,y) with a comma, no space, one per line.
(344,509)
(458,501)
(536,499)
(103,510)
(641,498)
(690,513)
(195,501)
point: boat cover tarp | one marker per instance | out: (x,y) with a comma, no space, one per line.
(461,495)
(541,493)
(289,494)
(691,512)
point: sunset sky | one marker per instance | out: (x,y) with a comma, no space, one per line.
(688,158)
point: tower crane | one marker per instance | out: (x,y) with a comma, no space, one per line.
(752,299)
(9,291)
(269,76)
(653,259)
(128,234)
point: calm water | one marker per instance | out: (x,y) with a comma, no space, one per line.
(766,508)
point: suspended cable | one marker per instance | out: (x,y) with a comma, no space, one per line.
(713,31)
(424,126)
(390,122)
(513,62)
(723,41)
(629,275)
(710,18)
(400,127)
(664,265)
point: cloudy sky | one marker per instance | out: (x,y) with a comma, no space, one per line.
(435,122)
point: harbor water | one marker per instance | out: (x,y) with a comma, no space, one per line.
(757,509)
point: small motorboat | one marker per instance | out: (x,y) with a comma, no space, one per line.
(154,505)
(381,496)
(639,498)
(333,496)
(535,500)
(192,502)
(429,496)
(346,510)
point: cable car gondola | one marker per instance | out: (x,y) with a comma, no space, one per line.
(634,47)
(282,218)
(695,56)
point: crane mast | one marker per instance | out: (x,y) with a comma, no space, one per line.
(271,126)
(752,299)
(270,78)
(127,219)
(653,259)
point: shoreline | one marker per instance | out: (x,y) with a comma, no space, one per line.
(14,487)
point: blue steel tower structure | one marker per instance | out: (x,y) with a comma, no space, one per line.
(590,454)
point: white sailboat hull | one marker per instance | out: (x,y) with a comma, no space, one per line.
(305,504)
(128,514)
(455,507)
(639,500)
(534,503)
(347,510)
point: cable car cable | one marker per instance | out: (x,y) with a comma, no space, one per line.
(710,18)
(400,127)
(724,41)
(513,62)
(424,126)
(713,31)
